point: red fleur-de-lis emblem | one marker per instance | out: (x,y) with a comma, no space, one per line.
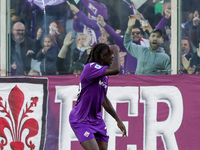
(16,122)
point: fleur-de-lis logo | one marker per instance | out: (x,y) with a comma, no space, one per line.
(17,123)
(92,8)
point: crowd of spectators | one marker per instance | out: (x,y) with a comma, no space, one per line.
(42,42)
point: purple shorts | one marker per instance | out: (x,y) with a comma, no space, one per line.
(86,131)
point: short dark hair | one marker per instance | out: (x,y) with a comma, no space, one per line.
(141,30)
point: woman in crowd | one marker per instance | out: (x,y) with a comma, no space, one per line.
(48,55)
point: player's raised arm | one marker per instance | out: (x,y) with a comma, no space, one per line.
(114,67)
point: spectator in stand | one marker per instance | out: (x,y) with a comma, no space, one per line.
(151,60)
(191,64)
(163,25)
(153,18)
(187,52)
(85,24)
(194,34)
(33,17)
(61,66)
(22,50)
(55,12)
(27,13)
(48,55)
(195,61)
(187,23)
(79,54)
(56,30)
(35,64)
(144,24)
(137,36)
(130,61)
(16,7)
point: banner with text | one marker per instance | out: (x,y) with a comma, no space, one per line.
(160,112)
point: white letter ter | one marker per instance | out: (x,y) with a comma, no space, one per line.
(151,96)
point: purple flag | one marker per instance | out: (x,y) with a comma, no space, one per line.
(43,3)
(95,8)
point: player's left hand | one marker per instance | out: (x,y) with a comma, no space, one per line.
(122,128)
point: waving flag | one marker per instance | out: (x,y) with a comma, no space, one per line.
(43,3)
(95,8)
(139,3)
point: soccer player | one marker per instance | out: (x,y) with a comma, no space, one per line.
(86,118)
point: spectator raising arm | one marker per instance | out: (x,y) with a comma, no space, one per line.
(163,22)
(151,60)
(67,42)
(83,23)
(131,23)
(62,54)
(194,34)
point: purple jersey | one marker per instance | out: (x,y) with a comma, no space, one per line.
(93,88)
